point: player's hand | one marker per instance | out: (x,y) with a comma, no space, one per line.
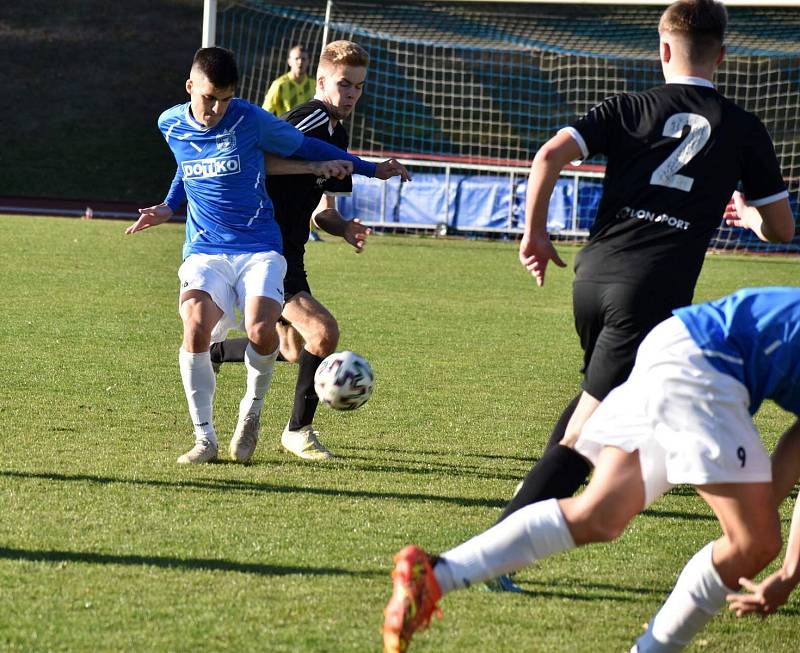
(736,212)
(762,598)
(356,234)
(535,251)
(328,169)
(150,217)
(391,168)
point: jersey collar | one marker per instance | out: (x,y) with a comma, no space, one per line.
(190,119)
(691,81)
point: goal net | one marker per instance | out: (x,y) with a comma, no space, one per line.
(468,91)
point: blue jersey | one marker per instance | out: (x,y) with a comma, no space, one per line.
(753,335)
(222,172)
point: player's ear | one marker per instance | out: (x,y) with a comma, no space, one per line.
(189,86)
(722,52)
(665,51)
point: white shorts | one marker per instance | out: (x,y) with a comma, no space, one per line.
(689,421)
(230,279)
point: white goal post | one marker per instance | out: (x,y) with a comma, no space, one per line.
(209,23)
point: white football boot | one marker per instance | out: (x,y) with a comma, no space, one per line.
(304,443)
(245,438)
(203,451)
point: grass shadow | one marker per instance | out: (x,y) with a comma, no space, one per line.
(675,514)
(589,591)
(250,486)
(368,464)
(528,460)
(186,564)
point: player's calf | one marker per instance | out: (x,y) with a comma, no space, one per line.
(315,323)
(327,337)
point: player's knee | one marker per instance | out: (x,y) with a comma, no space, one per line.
(263,336)
(765,547)
(756,549)
(192,310)
(608,530)
(569,439)
(774,548)
(196,331)
(593,524)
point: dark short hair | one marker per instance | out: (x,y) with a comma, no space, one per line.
(701,22)
(218,65)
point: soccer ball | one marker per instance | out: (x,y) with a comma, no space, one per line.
(344,381)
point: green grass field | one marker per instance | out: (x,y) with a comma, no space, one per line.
(107,545)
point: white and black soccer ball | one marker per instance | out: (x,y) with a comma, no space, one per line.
(344,381)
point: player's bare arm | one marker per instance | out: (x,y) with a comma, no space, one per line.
(392,168)
(337,168)
(535,249)
(150,217)
(771,222)
(331,221)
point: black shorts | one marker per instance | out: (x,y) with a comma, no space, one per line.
(612,319)
(295,280)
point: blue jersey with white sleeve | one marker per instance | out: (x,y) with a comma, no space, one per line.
(222,174)
(754,336)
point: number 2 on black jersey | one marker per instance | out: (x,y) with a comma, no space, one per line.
(699,131)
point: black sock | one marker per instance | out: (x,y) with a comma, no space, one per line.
(561,425)
(557,475)
(305,397)
(231,351)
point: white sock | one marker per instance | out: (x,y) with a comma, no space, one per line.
(698,595)
(530,534)
(259,374)
(199,384)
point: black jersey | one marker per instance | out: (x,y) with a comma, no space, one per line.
(675,155)
(296,196)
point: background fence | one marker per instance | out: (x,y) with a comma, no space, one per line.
(471,90)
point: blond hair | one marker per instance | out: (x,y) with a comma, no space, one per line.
(700,24)
(344,53)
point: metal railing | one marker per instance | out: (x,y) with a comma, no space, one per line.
(514,173)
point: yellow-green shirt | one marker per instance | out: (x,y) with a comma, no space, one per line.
(284,93)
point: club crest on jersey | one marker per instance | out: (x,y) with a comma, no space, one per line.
(211,167)
(226,141)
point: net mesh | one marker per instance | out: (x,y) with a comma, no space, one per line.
(487,84)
